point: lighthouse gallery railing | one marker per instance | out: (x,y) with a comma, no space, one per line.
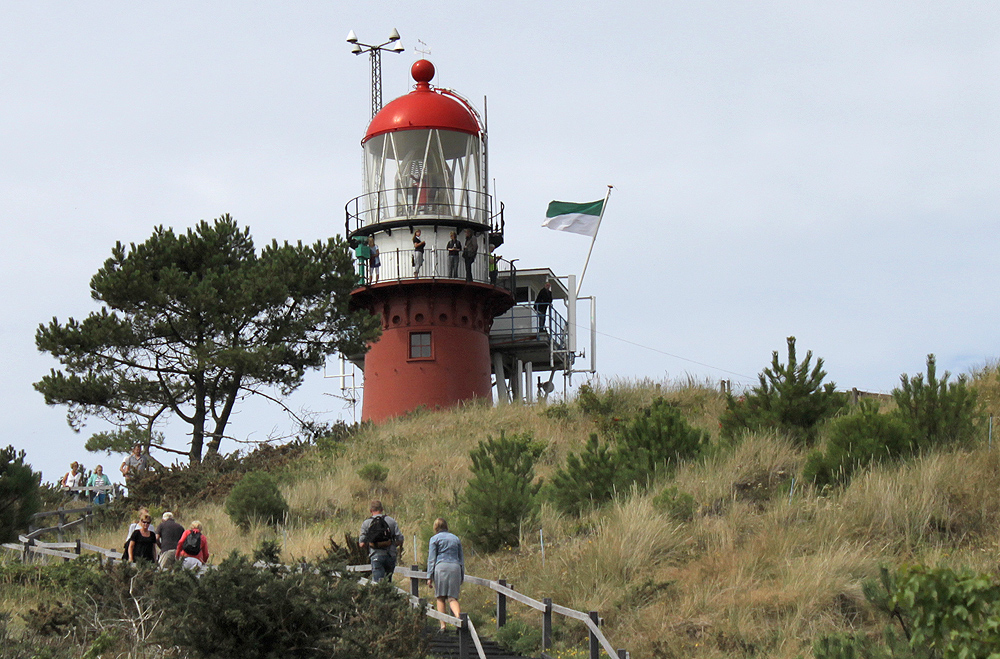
(419,205)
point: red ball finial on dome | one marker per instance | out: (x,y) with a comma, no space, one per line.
(422,71)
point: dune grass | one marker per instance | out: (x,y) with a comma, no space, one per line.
(766,565)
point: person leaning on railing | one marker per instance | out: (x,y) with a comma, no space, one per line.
(100,479)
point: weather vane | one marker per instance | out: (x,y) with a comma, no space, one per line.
(426,50)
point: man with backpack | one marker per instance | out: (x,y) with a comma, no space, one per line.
(192,549)
(381,536)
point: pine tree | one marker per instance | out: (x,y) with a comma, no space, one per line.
(502,492)
(19,494)
(790,398)
(938,412)
(190,323)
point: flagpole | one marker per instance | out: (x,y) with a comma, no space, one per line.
(604,207)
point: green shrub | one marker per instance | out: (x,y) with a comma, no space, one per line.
(587,480)
(19,493)
(374,473)
(655,439)
(256,498)
(790,398)
(954,613)
(502,493)
(679,505)
(239,610)
(519,638)
(856,440)
(647,446)
(938,412)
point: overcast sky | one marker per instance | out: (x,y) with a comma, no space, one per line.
(820,169)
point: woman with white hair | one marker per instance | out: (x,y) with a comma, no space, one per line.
(192,549)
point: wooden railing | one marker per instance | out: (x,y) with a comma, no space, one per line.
(468,637)
(28,545)
(597,639)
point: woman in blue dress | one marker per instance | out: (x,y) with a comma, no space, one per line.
(445,568)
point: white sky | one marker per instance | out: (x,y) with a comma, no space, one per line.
(820,169)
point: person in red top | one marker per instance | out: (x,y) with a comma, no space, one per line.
(186,557)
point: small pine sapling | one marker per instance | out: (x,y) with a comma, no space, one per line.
(502,493)
(791,398)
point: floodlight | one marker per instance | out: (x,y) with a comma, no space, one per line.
(394,36)
(351,37)
(397,48)
(357,50)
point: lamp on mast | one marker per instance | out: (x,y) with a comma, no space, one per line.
(375,53)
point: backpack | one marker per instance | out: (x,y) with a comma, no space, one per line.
(379,532)
(192,544)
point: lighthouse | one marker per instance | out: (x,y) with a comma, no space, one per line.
(425,227)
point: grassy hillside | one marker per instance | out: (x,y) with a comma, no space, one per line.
(762,568)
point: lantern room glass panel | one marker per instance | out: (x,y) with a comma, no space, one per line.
(424,173)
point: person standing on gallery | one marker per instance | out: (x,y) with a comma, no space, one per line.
(542,303)
(454,252)
(469,253)
(418,252)
(445,568)
(374,262)
(381,536)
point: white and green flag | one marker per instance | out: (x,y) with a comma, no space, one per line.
(575,218)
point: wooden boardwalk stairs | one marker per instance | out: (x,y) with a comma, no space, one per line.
(447,646)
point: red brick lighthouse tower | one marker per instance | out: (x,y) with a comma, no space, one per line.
(425,178)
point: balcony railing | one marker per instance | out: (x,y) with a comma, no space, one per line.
(400,265)
(415,204)
(522,322)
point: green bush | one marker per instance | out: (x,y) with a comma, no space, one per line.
(679,505)
(647,446)
(865,436)
(519,638)
(954,613)
(502,493)
(256,498)
(938,412)
(374,473)
(655,439)
(790,398)
(19,493)
(587,480)
(239,610)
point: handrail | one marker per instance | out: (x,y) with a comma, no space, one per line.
(398,265)
(464,623)
(545,607)
(412,205)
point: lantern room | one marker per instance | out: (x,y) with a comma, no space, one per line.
(424,160)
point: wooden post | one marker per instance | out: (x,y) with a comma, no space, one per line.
(595,646)
(622,654)
(464,638)
(501,606)
(414,583)
(62,520)
(79,547)
(547,624)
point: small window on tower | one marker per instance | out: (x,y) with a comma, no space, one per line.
(420,345)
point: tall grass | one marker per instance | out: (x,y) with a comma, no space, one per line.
(762,569)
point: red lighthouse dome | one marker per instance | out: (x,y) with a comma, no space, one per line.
(423,108)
